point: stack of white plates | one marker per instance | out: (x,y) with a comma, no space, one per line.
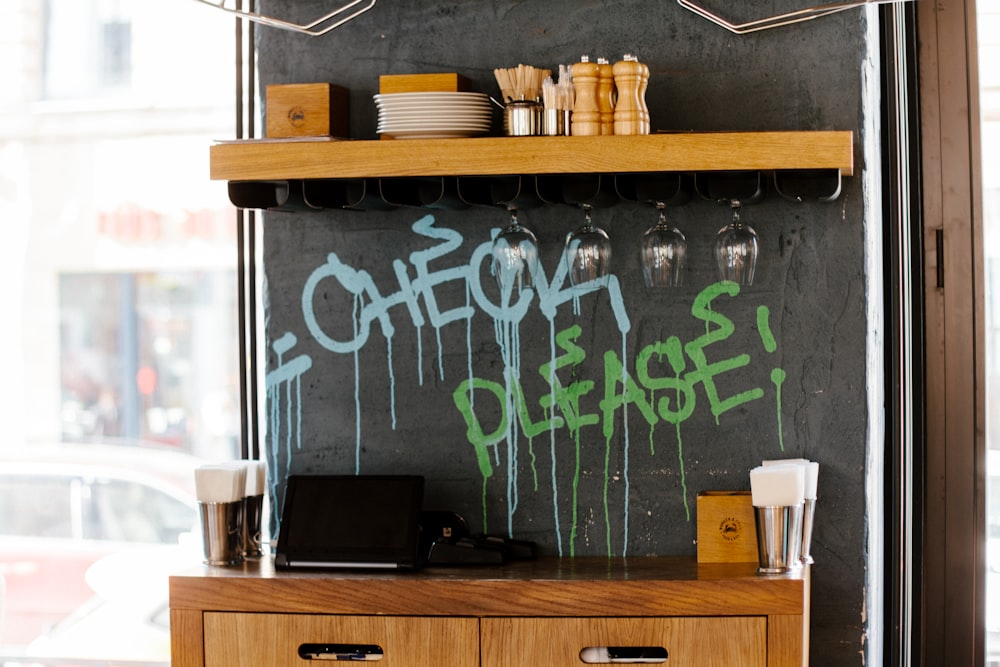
(433,115)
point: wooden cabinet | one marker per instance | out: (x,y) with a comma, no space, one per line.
(688,641)
(274,640)
(537,613)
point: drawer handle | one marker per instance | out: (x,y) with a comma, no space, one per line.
(622,654)
(355,652)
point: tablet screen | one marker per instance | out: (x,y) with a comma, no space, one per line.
(350,521)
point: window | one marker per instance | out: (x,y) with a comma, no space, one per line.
(116,53)
(138,358)
(88,48)
(118,258)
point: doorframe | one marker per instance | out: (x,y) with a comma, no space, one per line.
(952,622)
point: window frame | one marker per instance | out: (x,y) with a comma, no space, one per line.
(951,627)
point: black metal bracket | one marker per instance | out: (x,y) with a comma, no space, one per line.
(531,191)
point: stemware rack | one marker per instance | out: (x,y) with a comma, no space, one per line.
(531,171)
(333,19)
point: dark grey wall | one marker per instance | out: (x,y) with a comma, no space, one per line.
(378,383)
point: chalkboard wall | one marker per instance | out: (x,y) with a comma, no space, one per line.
(586,420)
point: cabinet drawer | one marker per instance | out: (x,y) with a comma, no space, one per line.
(273,640)
(689,642)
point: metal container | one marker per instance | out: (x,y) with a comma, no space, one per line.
(522,118)
(222,532)
(252,512)
(554,122)
(779,538)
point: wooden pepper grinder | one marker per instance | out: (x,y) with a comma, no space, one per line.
(631,113)
(643,85)
(586,113)
(606,95)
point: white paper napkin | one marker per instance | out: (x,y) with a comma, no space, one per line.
(777,485)
(220,483)
(256,478)
(811,471)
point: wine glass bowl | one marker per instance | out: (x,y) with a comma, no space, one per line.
(664,253)
(736,248)
(588,252)
(515,254)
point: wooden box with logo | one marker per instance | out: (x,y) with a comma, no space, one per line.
(726,529)
(443,82)
(307,110)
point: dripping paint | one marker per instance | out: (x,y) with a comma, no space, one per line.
(661,382)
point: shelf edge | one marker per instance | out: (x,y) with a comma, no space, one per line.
(491,156)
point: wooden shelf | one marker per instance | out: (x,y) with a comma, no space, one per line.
(262,160)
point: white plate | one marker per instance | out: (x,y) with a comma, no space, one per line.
(436,112)
(440,126)
(434,119)
(433,98)
(434,108)
(448,96)
(430,134)
(456,102)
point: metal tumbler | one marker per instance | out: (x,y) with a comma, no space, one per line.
(808,514)
(253,507)
(779,538)
(222,532)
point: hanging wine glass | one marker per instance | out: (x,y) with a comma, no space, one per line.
(736,250)
(515,254)
(664,253)
(588,252)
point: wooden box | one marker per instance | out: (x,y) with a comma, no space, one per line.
(307,110)
(726,529)
(446,82)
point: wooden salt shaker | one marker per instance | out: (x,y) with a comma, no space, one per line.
(586,112)
(606,95)
(631,114)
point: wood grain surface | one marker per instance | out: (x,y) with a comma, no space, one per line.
(273,640)
(652,586)
(711,151)
(534,612)
(689,642)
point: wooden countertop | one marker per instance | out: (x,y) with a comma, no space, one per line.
(641,586)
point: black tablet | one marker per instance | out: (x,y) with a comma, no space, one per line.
(351,521)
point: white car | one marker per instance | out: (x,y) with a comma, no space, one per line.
(127,622)
(63,508)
